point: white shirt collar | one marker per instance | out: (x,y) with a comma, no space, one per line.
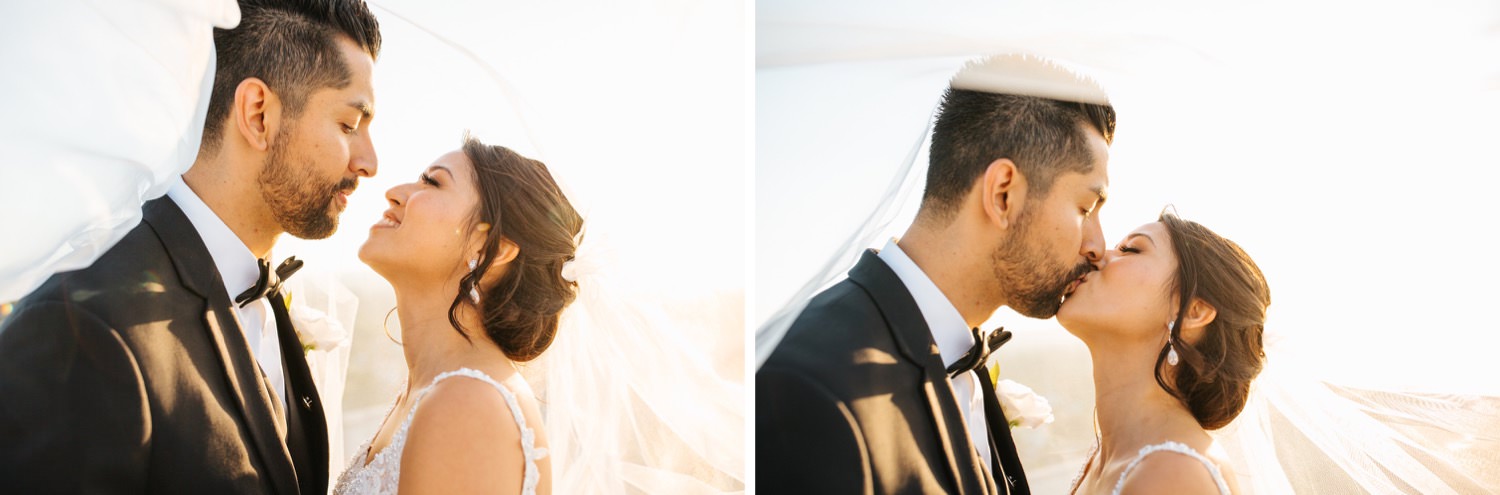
(237,265)
(952,334)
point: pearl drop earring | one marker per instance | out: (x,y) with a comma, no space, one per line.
(1171,350)
(474,289)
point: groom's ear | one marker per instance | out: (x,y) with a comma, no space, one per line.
(1199,314)
(1002,190)
(255,113)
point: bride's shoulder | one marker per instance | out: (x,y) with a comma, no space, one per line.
(1168,474)
(463,408)
(1173,467)
(461,431)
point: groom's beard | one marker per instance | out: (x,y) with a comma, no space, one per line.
(303,205)
(1034,283)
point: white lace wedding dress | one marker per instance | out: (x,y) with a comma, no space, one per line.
(382,475)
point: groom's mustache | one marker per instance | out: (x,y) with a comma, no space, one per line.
(1082,269)
(347,186)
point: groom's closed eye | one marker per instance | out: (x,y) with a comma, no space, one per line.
(1093,207)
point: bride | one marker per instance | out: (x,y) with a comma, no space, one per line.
(1173,321)
(477,251)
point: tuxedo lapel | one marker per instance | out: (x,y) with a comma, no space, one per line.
(307,430)
(195,267)
(914,340)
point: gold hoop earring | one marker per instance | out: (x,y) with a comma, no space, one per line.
(386,325)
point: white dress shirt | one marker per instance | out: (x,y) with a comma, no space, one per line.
(953,336)
(240,270)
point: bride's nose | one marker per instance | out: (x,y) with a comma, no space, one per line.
(396,196)
(1103,261)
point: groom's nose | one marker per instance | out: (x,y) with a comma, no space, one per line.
(362,159)
(1093,240)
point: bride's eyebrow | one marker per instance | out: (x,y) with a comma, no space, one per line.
(1138,234)
(439,167)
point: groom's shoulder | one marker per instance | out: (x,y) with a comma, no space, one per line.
(837,326)
(132,272)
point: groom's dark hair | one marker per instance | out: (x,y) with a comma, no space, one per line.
(289,44)
(1044,138)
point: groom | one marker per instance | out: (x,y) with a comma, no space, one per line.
(879,386)
(170,365)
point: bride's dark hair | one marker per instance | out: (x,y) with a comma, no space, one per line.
(519,201)
(1213,379)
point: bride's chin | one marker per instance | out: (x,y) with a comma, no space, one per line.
(369,254)
(1067,315)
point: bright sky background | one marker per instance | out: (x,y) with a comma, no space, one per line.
(638,109)
(1348,147)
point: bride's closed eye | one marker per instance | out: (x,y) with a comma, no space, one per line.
(427,179)
(1128,249)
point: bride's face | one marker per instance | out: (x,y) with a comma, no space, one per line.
(427,230)
(1130,294)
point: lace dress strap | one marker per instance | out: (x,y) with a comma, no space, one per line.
(528,436)
(1170,446)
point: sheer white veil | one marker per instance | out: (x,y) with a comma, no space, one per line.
(630,407)
(1312,424)
(90,160)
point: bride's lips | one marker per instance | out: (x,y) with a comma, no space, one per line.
(387,221)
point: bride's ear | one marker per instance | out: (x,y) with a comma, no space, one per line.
(1002,190)
(1199,314)
(506,252)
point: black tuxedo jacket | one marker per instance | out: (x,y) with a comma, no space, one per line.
(133,376)
(855,400)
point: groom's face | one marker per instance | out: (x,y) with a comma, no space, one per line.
(1055,239)
(317,157)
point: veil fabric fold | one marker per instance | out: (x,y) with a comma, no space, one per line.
(105,103)
(630,405)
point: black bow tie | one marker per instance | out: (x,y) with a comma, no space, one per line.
(985,343)
(269,283)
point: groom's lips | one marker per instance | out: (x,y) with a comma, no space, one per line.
(1073,286)
(342,194)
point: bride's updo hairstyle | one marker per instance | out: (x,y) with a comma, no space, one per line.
(519,201)
(1213,377)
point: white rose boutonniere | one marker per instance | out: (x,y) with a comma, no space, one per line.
(1022,406)
(316,329)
